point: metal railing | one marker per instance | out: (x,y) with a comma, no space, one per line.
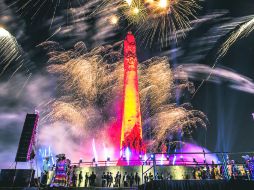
(225,160)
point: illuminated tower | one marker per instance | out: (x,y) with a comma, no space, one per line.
(131,132)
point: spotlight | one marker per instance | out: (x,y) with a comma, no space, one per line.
(152,156)
(145,157)
(174,160)
(140,157)
(168,157)
(181,157)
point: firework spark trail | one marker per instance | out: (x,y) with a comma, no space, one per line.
(204,46)
(244,30)
(37,9)
(9,51)
(90,82)
(219,75)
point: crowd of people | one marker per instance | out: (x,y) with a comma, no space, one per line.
(108,180)
(207,172)
(67,175)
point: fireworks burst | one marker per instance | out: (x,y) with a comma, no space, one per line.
(40,7)
(155,18)
(91,83)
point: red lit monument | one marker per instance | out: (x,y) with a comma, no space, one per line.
(131,131)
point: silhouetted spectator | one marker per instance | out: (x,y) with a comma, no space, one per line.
(74,179)
(137,178)
(107,178)
(92,179)
(110,180)
(150,176)
(125,179)
(146,178)
(118,179)
(80,178)
(160,177)
(87,179)
(103,179)
(194,173)
(131,180)
(203,173)
(157,176)
(74,176)
(169,177)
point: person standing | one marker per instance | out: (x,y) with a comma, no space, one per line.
(169,177)
(80,178)
(137,179)
(194,173)
(60,176)
(93,178)
(45,170)
(73,181)
(157,176)
(110,179)
(150,176)
(107,178)
(104,179)
(146,178)
(125,179)
(213,172)
(118,179)
(131,180)
(86,179)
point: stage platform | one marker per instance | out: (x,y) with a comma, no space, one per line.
(77,188)
(198,185)
(169,185)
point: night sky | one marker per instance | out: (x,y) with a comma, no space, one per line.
(229,110)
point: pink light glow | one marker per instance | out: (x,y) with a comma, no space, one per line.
(185,159)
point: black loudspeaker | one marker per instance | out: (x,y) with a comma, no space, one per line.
(27,138)
(22,178)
